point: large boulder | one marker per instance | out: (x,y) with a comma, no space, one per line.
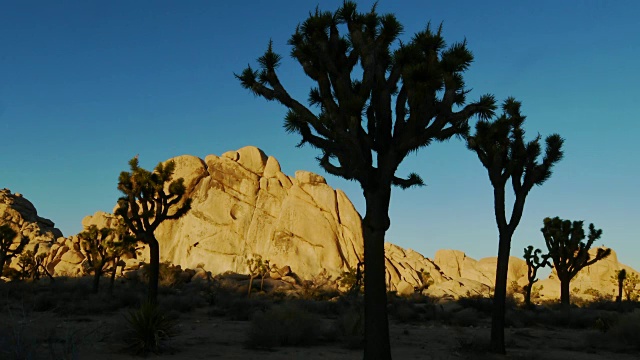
(20,214)
(243,206)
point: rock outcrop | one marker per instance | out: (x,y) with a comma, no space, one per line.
(243,205)
(22,216)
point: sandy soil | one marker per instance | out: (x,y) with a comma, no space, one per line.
(204,337)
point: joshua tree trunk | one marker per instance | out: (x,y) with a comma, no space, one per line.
(154,270)
(376,324)
(116,260)
(499,295)
(619,298)
(96,277)
(565,293)
(2,261)
(527,295)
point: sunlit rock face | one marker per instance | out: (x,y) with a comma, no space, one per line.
(242,204)
(20,214)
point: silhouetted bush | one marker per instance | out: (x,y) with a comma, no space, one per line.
(283,325)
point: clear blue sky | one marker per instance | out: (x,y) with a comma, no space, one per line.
(86,85)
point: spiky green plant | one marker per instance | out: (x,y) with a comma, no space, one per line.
(149,199)
(507,157)
(375,100)
(569,251)
(149,329)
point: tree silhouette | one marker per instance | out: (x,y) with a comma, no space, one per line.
(95,243)
(501,148)
(622,276)
(367,120)
(102,247)
(535,260)
(148,198)
(8,246)
(569,252)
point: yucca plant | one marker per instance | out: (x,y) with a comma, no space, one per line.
(149,329)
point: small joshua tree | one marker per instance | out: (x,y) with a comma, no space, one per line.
(32,265)
(622,276)
(149,199)
(570,254)
(8,246)
(535,260)
(425,279)
(95,244)
(632,280)
(102,247)
(626,283)
(257,268)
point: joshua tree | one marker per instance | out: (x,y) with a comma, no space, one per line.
(631,281)
(8,238)
(502,150)
(535,260)
(103,247)
(257,268)
(622,276)
(149,199)
(96,243)
(569,252)
(122,244)
(32,265)
(366,121)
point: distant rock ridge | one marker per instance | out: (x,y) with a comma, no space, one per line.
(244,205)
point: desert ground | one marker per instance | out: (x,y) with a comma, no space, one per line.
(64,320)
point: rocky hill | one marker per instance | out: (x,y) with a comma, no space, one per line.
(243,205)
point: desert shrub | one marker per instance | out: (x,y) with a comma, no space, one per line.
(404,311)
(148,330)
(283,326)
(243,309)
(44,301)
(519,318)
(181,303)
(619,334)
(350,327)
(579,318)
(16,340)
(466,317)
(479,303)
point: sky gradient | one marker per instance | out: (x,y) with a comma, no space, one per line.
(87,85)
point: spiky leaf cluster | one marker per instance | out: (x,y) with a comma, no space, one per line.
(402,101)
(101,245)
(501,148)
(535,260)
(149,197)
(567,248)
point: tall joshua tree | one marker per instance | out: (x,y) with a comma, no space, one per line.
(149,199)
(502,150)
(535,260)
(366,125)
(8,246)
(569,252)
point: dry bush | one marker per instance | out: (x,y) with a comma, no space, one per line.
(466,317)
(283,325)
(620,334)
